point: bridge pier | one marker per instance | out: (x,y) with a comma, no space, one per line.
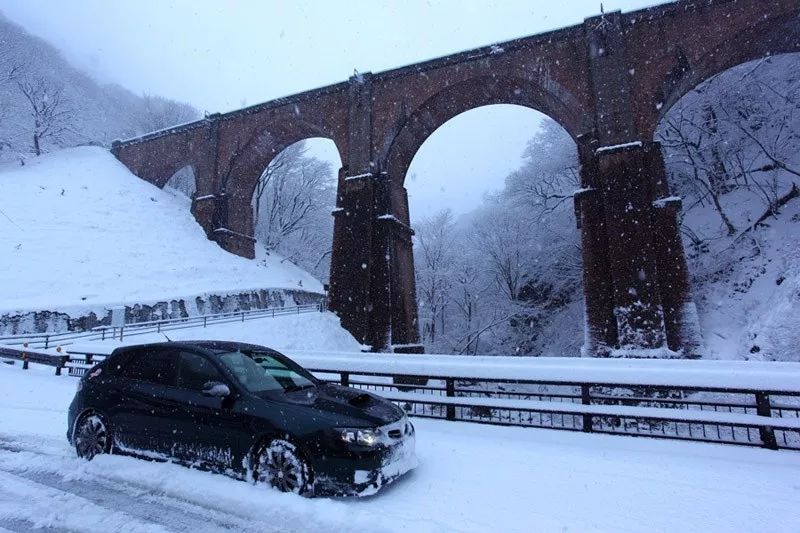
(624,177)
(600,333)
(681,321)
(372,266)
(232,224)
(635,275)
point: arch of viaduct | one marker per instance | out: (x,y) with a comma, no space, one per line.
(607,81)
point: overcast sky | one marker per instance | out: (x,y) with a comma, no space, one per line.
(224,54)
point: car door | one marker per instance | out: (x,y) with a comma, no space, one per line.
(140,420)
(206,430)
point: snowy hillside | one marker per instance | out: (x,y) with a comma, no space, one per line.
(733,153)
(88,111)
(80,232)
(747,286)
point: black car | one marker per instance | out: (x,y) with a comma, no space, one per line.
(244,410)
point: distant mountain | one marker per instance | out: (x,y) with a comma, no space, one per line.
(42,95)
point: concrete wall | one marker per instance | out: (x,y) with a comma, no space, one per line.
(55,321)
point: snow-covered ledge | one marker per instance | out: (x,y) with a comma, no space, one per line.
(618,147)
(226,231)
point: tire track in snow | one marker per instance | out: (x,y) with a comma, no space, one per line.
(23,500)
(143,508)
(156,497)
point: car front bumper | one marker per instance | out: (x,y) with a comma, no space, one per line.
(365,476)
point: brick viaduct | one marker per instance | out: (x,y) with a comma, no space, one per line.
(607,81)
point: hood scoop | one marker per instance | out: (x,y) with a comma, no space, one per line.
(361,400)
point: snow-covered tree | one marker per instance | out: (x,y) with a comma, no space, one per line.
(292,203)
(732,133)
(506,278)
(98,114)
(156,113)
(10,70)
(550,172)
(435,257)
(732,152)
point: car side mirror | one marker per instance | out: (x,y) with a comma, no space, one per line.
(216,389)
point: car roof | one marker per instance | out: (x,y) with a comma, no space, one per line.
(211,347)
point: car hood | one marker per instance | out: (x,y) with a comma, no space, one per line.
(348,404)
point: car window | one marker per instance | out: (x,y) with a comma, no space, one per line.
(196,371)
(261,371)
(154,366)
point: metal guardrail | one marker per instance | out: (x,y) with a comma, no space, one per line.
(724,415)
(741,416)
(27,357)
(730,416)
(48,340)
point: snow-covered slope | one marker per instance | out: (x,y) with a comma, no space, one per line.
(747,286)
(79,231)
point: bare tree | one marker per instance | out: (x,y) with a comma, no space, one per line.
(738,135)
(10,67)
(10,70)
(550,174)
(158,113)
(279,166)
(49,110)
(434,243)
(690,141)
(292,198)
(292,203)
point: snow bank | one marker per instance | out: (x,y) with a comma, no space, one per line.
(316,341)
(748,286)
(768,376)
(80,233)
(308,331)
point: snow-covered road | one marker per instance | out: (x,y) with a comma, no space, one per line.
(470,478)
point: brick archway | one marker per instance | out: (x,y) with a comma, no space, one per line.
(607,81)
(474,93)
(250,152)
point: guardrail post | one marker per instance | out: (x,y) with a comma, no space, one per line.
(767,434)
(345,379)
(273,312)
(121,332)
(205,321)
(46,341)
(450,391)
(242,316)
(103,335)
(586,399)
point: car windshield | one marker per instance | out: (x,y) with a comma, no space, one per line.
(263,372)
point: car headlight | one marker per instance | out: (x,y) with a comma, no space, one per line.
(362,437)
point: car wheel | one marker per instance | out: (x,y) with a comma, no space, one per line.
(92,436)
(281,466)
